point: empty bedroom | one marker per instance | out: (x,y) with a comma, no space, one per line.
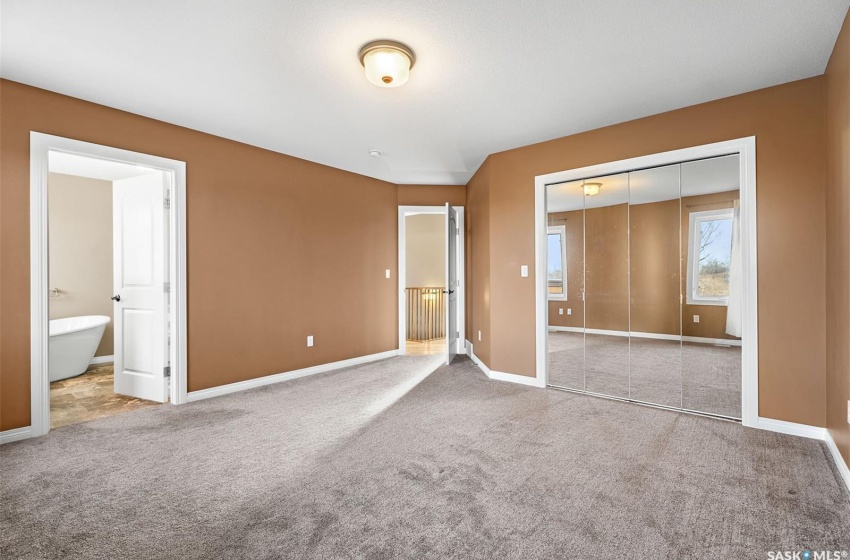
(473,280)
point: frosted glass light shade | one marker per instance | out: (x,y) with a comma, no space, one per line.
(591,189)
(387,63)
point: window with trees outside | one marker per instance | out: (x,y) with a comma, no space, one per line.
(709,257)
(556,266)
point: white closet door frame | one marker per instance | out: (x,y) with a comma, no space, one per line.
(746,148)
(40,147)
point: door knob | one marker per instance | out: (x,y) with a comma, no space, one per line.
(116,297)
(448,291)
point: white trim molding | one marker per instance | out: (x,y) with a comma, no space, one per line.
(790,428)
(746,148)
(285,376)
(17,434)
(500,375)
(655,336)
(40,147)
(840,464)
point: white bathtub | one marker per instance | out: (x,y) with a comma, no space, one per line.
(73,342)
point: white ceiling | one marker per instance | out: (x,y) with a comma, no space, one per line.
(649,185)
(93,168)
(489,76)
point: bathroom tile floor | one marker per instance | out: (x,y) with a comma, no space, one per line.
(89,396)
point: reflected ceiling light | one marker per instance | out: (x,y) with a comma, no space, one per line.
(387,63)
(591,189)
(375,153)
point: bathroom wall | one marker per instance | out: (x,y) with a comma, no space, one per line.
(80,249)
(425,240)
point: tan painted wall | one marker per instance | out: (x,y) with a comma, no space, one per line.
(80,253)
(278,248)
(425,240)
(606,274)
(431,195)
(655,267)
(788,121)
(837,81)
(478,262)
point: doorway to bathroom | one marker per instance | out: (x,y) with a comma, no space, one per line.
(108,281)
(431,287)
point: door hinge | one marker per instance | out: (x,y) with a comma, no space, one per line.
(166,203)
(166,287)
(166,371)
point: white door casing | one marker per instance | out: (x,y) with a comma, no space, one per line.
(140,273)
(452,234)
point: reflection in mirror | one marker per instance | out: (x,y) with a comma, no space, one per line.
(713,287)
(655,286)
(606,230)
(565,285)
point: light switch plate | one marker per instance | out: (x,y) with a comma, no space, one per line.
(848,412)
(523,271)
(569,310)
(388,273)
(560,311)
(696,318)
(479,336)
(310,341)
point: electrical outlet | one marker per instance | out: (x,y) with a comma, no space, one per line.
(569,310)
(696,318)
(479,336)
(523,271)
(560,311)
(388,273)
(309,341)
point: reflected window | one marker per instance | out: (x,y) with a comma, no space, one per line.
(556,267)
(709,257)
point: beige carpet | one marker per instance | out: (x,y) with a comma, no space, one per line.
(385,461)
(701,377)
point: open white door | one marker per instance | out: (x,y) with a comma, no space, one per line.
(451,283)
(139,277)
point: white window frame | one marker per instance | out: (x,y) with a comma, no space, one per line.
(562,231)
(694,228)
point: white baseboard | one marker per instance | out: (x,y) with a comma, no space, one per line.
(286,376)
(791,428)
(500,375)
(843,469)
(516,378)
(8,436)
(703,340)
(102,360)
(655,336)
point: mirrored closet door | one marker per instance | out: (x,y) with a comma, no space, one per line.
(644,286)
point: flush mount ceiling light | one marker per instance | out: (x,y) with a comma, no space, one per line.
(591,189)
(375,153)
(387,63)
